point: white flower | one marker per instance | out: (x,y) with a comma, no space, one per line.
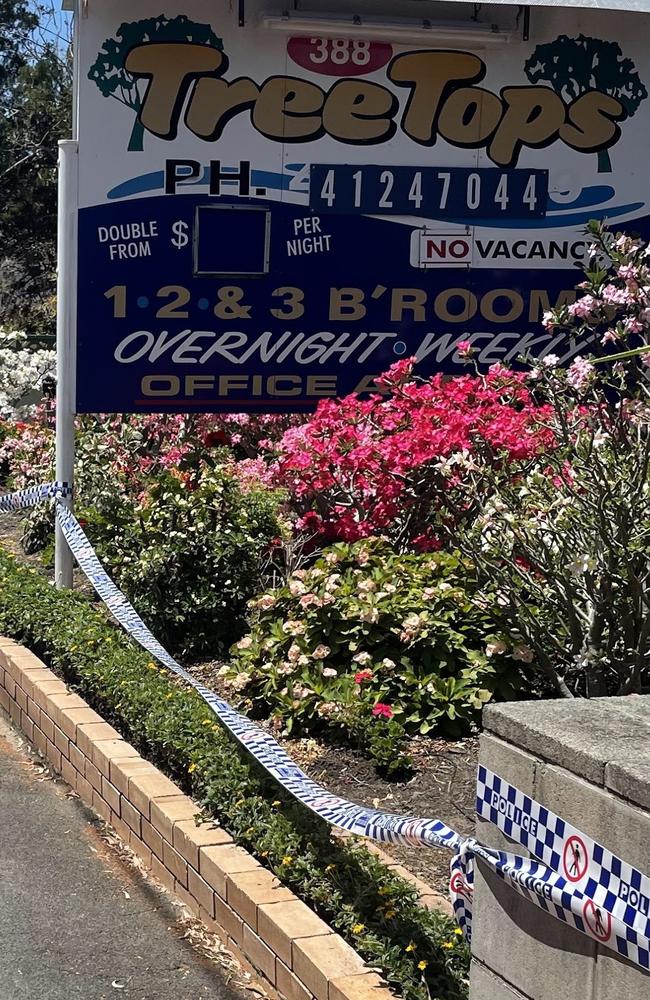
(495,648)
(389,664)
(266,602)
(303,660)
(240,681)
(329,672)
(245,643)
(580,565)
(362,658)
(369,615)
(367,586)
(23,373)
(523,653)
(363,557)
(550,361)
(294,627)
(331,558)
(296,588)
(332,581)
(294,653)
(321,652)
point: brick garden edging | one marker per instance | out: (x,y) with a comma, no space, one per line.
(220,883)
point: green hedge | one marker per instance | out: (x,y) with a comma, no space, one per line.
(419,951)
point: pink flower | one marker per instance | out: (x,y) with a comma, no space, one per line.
(584,307)
(382,711)
(633,325)
(364,675)
(464,349)
(581,374)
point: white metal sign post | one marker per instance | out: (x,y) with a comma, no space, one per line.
(66,340)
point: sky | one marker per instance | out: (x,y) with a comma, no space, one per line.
(54,24)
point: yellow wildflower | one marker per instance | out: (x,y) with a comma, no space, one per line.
(458,932)
(192,768)
(151,665)
(447,945)
(276,803)
(385,889)
(287,859)
(358,928)
(330,868)
(410,947)
(207,722)
(170,694)
(422,965)
(389,914)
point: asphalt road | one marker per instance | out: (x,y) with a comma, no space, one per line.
(76,922)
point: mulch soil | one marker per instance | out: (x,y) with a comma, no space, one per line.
(443,786)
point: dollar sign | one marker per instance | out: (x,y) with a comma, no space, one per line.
(180,238)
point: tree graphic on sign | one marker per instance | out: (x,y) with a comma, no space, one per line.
(574,65)
(108,70)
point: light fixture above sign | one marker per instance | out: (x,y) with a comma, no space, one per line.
(409,31)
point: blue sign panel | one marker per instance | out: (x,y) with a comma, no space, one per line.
(268,221)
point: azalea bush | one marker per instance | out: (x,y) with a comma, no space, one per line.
(380,465)
(366,639)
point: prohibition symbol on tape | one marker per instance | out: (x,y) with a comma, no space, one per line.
(599,922)
(459,885)
(575,859)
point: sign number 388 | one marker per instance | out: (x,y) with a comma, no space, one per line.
(340,51)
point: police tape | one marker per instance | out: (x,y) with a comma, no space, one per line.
(575,879)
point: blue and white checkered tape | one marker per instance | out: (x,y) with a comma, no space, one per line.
(571,877)
(575,878)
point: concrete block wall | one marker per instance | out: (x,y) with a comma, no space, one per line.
(589,762)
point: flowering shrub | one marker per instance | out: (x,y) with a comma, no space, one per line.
(188,559)
(361,467)
(26,373)
(613,306)
(567,535)
(367,638)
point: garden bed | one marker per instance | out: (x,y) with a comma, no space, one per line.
(443,785)
(374,909)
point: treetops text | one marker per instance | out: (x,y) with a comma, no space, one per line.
(266,220)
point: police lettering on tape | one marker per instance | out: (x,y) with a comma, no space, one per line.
(574,879)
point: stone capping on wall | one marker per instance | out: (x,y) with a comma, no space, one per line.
(220,883)
(588,762)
